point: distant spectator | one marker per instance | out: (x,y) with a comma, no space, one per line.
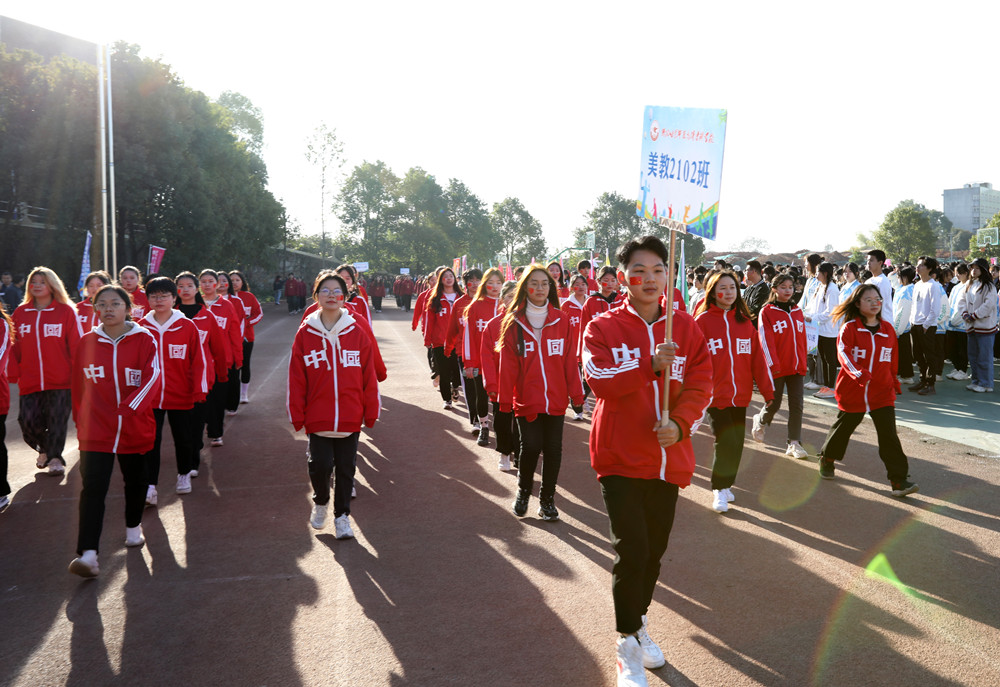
(757,289)
(10,295)
(278,286)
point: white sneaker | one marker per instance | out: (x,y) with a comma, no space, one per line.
(56,466)
(938,378)
(730,496)
(971,387)
(504,462)
(150,496)
(629,658)
(813,386)
(578,416)
(342,528)
(183,484)
(85,565)
(825,392)
(447,405)
(436,381)
(476,427)
(133,537)
(41,460)
(757,431)
(652,656)
(318,517)
(962,376)
(977,388)
(354,492)
(193,474)
(795,450)
(954,374)
(719,502)
(245,393)
(230,413)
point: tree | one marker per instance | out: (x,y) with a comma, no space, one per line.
(245,120)
(519,233)
(325,151)
(984,251)
(752,244)
(370,206)
(469,223)
(613,221)
(694,250)
(905,234)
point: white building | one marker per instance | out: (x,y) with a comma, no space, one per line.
(971,206)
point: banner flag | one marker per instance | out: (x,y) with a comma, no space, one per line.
(155,259)
(682,282)
(84,265)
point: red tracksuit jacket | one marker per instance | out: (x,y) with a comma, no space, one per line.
(331,377)
(477,316)
(574,311)
(489,358)
(456,327)
(782,338)
(380,371)
(618,351)
(214,345)
(539,375)
(252,313)
(420,311)
(869,364)
(5,347)
(184,378)
(44,347)
(436,329)
(140,304)
(86,314)
(229,322)
(736,358)
(115,384)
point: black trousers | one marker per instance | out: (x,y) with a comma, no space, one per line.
(96,469)
(641,515)
(586,389)
(827,350)
(905,356)
(475,397)
(43,417)
(232,396)
(729,427)
(4,484)
(793,384)
(407,297)
(377,302)
(543,435)
(958,350)
(245,370)
(199,415)
(925,351)
(447,368)
(506,431)
(328,456)
(182,431)
(897,466)
(215,408)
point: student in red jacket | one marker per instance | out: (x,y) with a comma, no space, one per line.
(573,307)
(538,374)
(453,347)
(782,334)
(131,279)
(47,336)
(420,317)
(641,458)
(357,299)
(508,438)
(6,343)
(116,377)
(332,391)
(559,277)
(737,362)
(214,347)
(253,314)
(229,323)
(184,382)
(603,300)
(867,383)
(85,311)
(482,306)
(439,306)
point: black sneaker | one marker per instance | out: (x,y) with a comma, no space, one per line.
(520,506)
(918,386)
(904,488)
(826,468)
(547,509)
(484,436)
(927,390)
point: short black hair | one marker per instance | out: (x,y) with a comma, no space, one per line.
(607,269)
(583,264)
(161,285)
(814,259)
(877,254)
(648,242)
(473,273)
(755,266)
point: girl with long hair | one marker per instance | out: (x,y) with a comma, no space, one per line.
(131,280)
(867,382)
(85,311)
(538,373)
(48,333)
(819,311)
(573,307)
(958,338)
(483,307)
(979,310)
(737,362)
(357,298)
(559,276)
(453,346)
(253,314)
(508,439)
(439,306)
(782,334)
(229,322)
(6,343)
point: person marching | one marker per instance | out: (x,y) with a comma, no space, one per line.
(229,322)
(420,316)
(867,383)
(562,289)
(508,437)
(782,334)
(439,306)
(253,315)
(538,373)
(85,311)
(116,377)
(47,334)
(6,344)
(573,307)
(357,299)
(453,346)
(602,301)
(332,391)
(483,307)
(184,382)
(641,458)
(131,279)
(737,363)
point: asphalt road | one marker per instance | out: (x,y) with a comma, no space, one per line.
(803,582)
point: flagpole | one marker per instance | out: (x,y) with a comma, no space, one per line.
(102,59)
(111,171)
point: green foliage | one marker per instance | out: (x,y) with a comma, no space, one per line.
(519,234)
(613,221)
(905,234)
(244,119)
(984,251)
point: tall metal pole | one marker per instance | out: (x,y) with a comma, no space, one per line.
(669,332)
(101,60)
(111,170)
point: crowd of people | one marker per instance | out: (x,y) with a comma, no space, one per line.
(522,354)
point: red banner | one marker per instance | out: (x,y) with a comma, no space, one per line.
(155,258)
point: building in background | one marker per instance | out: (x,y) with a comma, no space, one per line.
(972,206)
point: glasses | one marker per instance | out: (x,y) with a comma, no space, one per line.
(159,296)
(113,305)
(872,301)
(329,292)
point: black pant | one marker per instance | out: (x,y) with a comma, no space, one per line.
(793,384)
(215,410)
(4,484)
(43,416)
(182,430)
(958,350)
(327,456)
(897,466)
(199,415)
(430,361)
(96,469)
(447,369)
(407,297)
(543,435)
(245,370)
(232,392)
(905,356)
(729,427)
(507,434)
(925,350)
(641,515)
(376,302)
(827,349)
(475,397)
(586,390)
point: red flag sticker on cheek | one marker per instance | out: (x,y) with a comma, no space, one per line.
(634,281)
(531,291)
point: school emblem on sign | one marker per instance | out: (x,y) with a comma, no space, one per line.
(178,351)
(53,330)
(133,377)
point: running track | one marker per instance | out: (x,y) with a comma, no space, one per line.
(444,586)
